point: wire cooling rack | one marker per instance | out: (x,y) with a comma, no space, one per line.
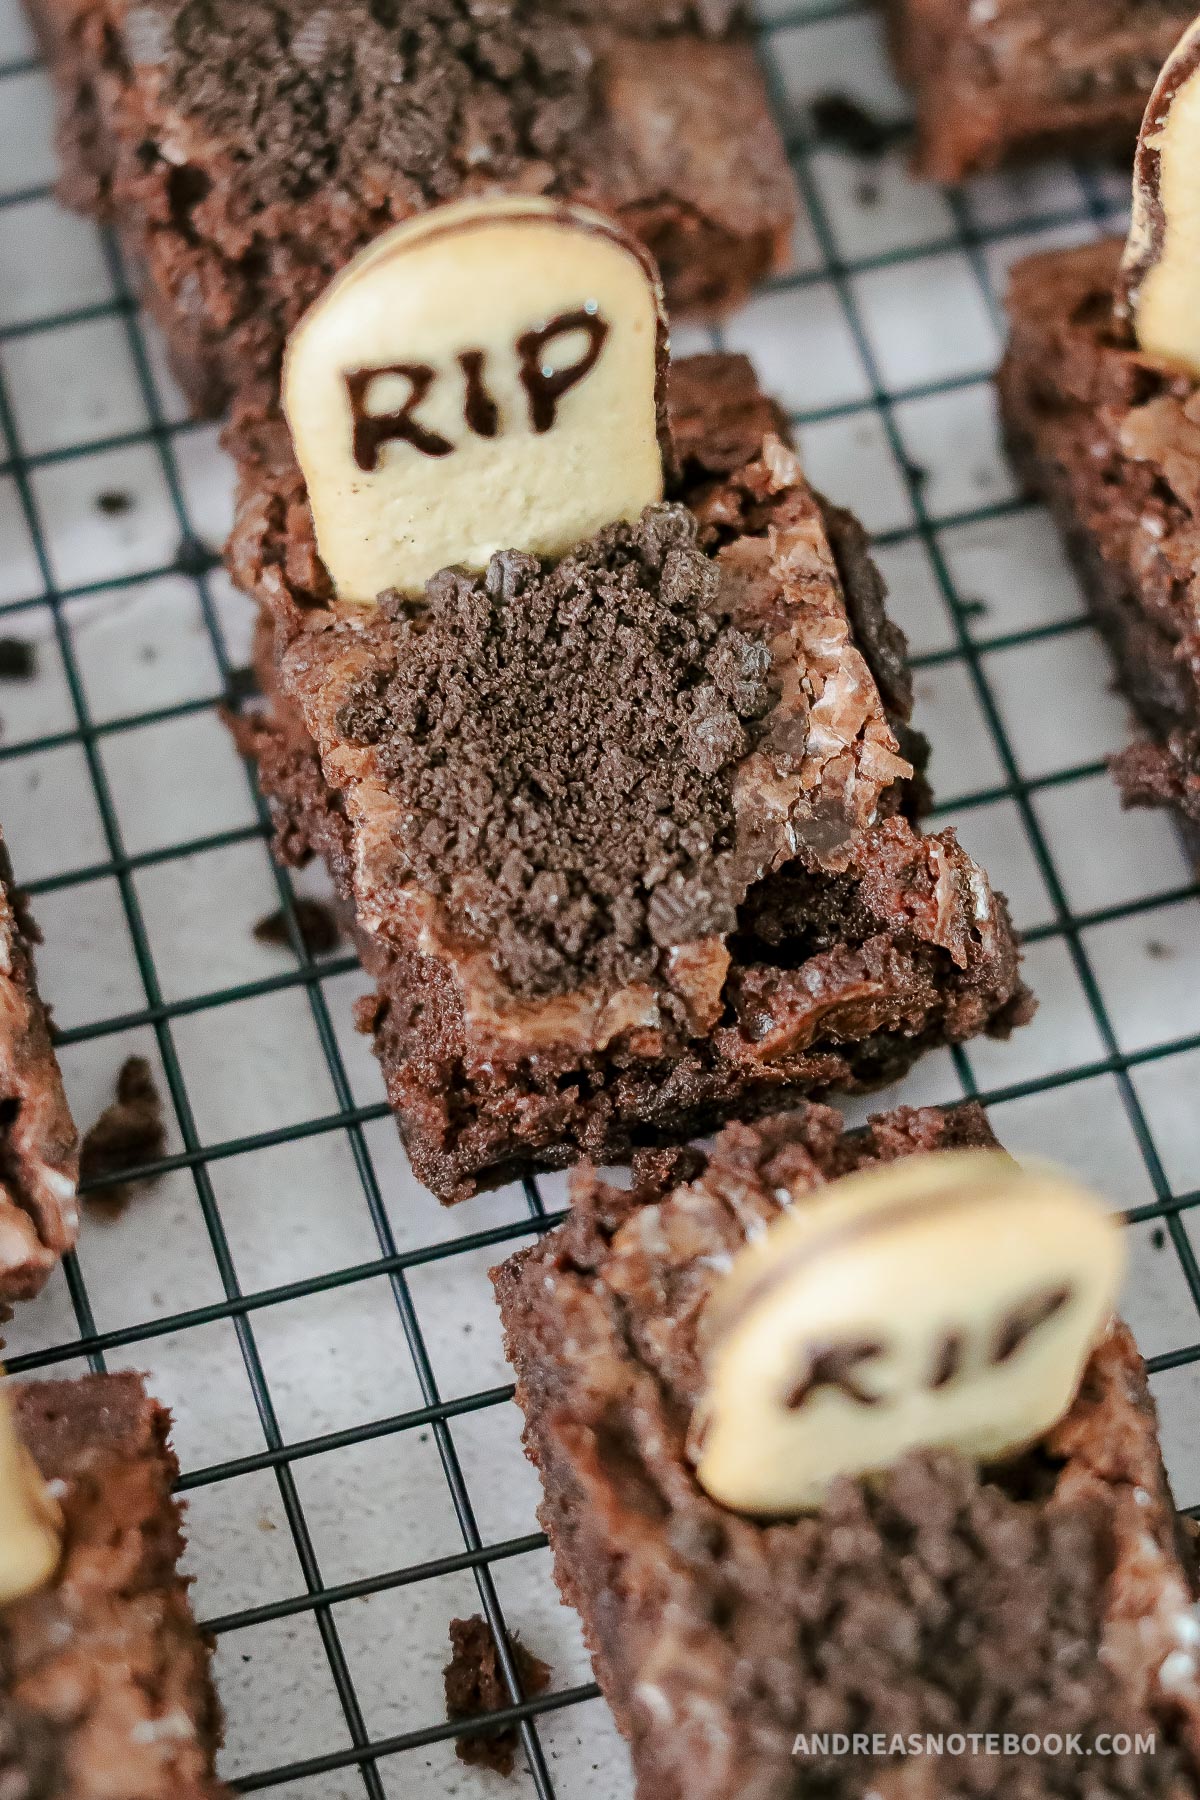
(323,1331)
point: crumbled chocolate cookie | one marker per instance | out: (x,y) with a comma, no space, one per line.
(563,739)
(318,926)
(475,1685)
(846,125)
(306,92)
(130,1132)
(18,659)
(113,502)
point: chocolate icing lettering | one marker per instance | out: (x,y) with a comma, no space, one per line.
(948,1361)
(834,1366)
(479,409)
(1023,1321)
(544,386)
(373,430)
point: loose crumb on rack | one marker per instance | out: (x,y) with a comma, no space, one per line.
(130,1132)
(113,502)
(18,659)
(841,123)
(317,924)
(475,1685)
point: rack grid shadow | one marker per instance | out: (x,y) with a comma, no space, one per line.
(350,1451)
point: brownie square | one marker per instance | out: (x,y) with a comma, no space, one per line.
(627,840)
(246,152)
(1019,78)
(106,1684)
(39,1148)
(1049,1599)
(1110,439)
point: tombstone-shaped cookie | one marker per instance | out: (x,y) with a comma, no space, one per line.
(1159,292)
(946,1301)
(485,377)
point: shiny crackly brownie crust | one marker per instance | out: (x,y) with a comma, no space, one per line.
(104,1679)
(39,1147)
(247,149)
(1021,78)
(1110,438)
(856,942)
(1052,1595)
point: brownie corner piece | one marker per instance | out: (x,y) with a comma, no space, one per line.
(246,153)
(608,959)
(39,1211)
(1109,438)
(106,1680)
(1048,1600)
(1022,78)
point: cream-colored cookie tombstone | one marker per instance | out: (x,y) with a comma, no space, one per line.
(30,1519)
(485,377)
(1159,290)
(944,1301)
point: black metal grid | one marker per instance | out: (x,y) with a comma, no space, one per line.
(969,649)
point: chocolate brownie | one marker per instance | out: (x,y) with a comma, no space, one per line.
(1015,78)
(625,837)
(1110,438)
(39,1149)
(1047,1598)
(247,149)
(106,1689)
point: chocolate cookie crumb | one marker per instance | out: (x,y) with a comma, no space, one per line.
(317,923)
(843,124)
(18,659)
(562,740)
(475,1686)
(241,684)
(970,606)
(305,95)
(113,502)
(128,1133)
(193,557)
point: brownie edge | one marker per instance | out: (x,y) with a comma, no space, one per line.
(1054,1596)
(39,1146)
(1109,438)
(1019,79)
(106,1685)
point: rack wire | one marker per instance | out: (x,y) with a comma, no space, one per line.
(353,1482)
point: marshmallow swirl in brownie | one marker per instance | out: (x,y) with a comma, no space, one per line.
(248,149)
(625,832)
(1048,1599)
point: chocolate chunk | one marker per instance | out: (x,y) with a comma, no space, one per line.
(317,923)
(127,1134)
(475,1685)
